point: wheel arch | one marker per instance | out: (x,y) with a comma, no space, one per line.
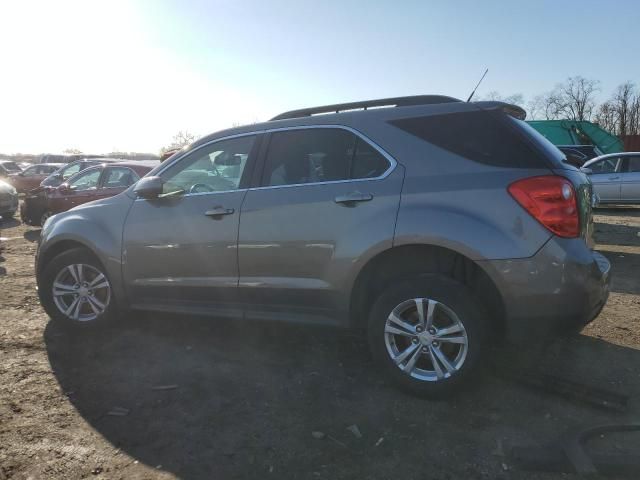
(407,260)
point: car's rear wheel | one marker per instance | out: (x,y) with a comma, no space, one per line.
(75,290)
(428,334)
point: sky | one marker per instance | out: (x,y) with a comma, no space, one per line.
(118,75)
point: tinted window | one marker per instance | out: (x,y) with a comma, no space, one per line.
(484,137)
(308,156)
(367,161)
(608,165)
(634,164)
(119,177)
(214,168)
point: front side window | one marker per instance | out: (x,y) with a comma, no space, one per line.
(86,181)
(608,165)
(119,177)
(215,168)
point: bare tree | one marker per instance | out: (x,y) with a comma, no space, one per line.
(542,107)
(180,139)
(621,113)
(72,151)
(183,138)
(514,99)
(575,98)
(607,117)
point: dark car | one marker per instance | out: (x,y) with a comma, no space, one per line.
(63,174)
(32,176)
(93,183)
(430,225)
(7,167)
(578,155)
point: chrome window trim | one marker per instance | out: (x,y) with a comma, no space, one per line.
(392,161)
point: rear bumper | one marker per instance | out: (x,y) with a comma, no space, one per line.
(563,287)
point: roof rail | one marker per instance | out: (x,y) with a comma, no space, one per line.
(364,105)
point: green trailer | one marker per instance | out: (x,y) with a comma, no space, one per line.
(571,132)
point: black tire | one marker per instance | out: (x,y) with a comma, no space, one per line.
(45,290)
(453,295)
(44,217)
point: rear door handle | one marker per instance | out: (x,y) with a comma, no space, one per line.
(354,197)
(219,211)
(614,178)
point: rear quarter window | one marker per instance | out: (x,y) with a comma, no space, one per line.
(487,137)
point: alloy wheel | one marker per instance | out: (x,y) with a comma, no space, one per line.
(426,339)
(81,292)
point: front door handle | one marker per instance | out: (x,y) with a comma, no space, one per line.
(219,211)
(354,197)
(614,178)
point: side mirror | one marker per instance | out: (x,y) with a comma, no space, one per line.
(64,188)
(148,187)
(586,170)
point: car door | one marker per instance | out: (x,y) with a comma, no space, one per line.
(179,249)
(630,181)
(79,189)
(606,178)
(326,197)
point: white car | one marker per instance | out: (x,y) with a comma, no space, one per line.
(616,177)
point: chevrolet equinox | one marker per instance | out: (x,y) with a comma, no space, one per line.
(434,225)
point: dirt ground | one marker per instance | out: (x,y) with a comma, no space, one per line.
(242,401)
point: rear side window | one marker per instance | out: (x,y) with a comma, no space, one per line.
(634,165)
(119,177)
(318,155)
(490,138)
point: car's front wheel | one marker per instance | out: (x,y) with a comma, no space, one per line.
(75,290)
(427,333)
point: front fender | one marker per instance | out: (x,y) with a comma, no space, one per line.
(98,227)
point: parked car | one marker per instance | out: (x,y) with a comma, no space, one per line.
(63,174)
(434,225)
(30,178)
(8,200)
(93,183)
(7,167)
(577,155)
(616,177)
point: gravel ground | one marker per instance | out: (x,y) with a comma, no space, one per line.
(167,397)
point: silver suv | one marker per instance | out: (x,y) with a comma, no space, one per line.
(433,224)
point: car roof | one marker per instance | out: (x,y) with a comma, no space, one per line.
(355,113)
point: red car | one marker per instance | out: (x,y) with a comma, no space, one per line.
(30,177)
(100,181)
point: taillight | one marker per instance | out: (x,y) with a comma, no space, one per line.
(551,200)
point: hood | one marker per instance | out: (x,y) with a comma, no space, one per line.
(7,188)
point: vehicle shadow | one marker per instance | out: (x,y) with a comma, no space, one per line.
(218,399)
(3,271)
(32,235)
(625,268)
(8,222)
